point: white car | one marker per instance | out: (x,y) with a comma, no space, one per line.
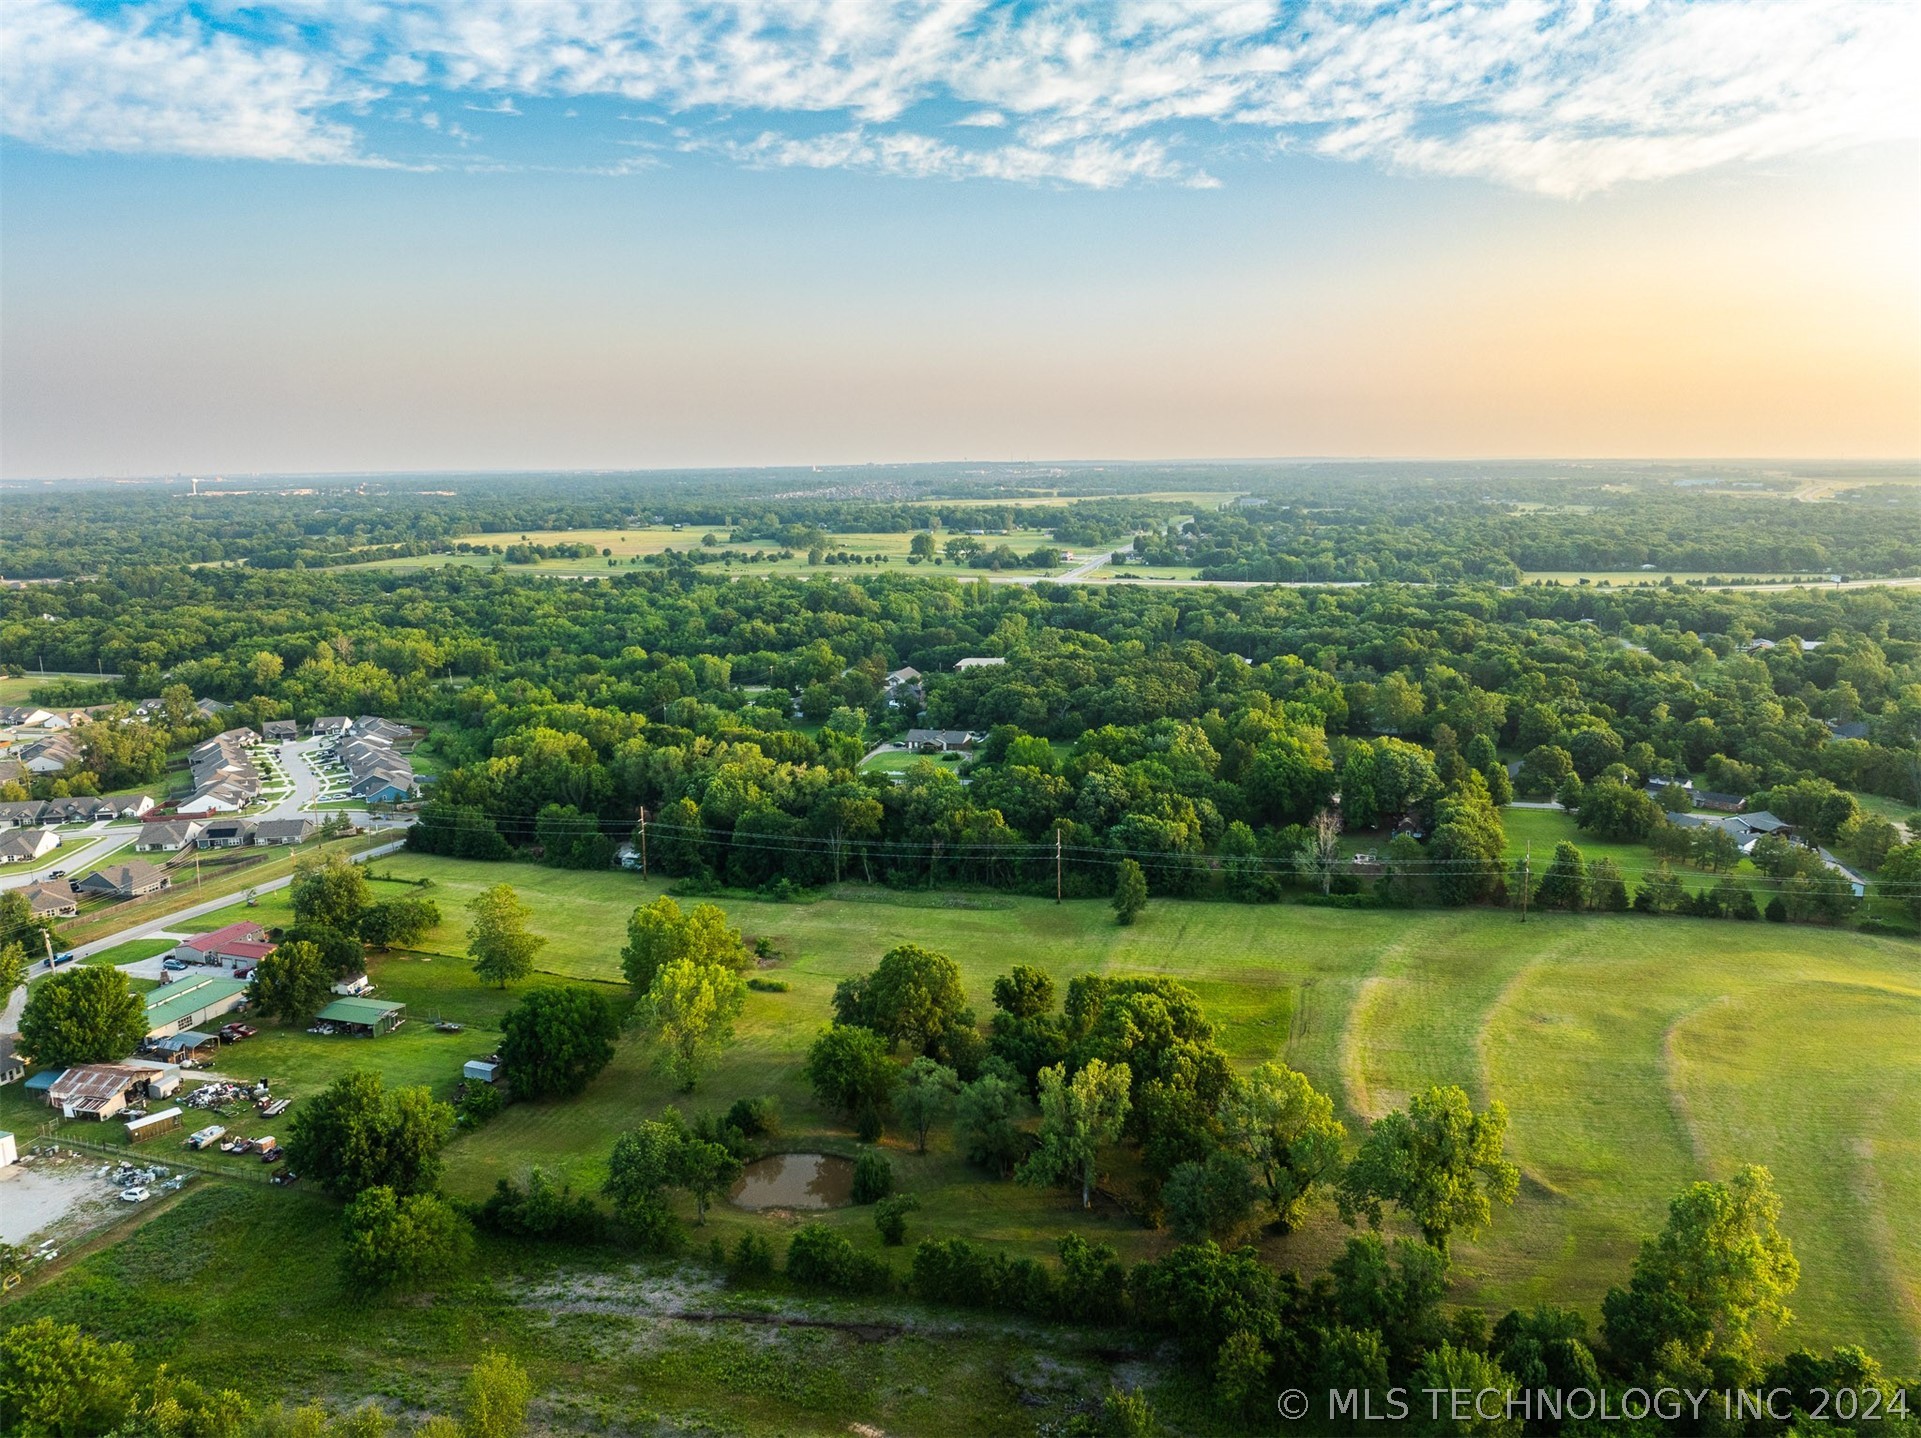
(134,1195)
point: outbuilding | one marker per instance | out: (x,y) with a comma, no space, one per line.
(168,1120)
(481,1070)
(367,1017)
(191,1003)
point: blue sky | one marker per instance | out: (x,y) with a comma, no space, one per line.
(364,234)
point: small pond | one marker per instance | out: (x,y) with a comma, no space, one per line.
(795,1180)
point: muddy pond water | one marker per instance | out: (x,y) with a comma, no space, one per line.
(795,1180)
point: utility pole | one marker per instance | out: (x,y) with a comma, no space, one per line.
(1057,865)
(643,841)
(1527,860)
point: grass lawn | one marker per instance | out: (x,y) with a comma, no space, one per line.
(899,761)
(18,688)
(130,952)
(1634,1055)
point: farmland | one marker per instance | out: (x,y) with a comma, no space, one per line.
(1633,1055)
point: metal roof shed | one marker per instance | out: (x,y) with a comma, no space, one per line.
(369,1016)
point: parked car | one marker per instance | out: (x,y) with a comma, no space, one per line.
(271,1155)
(134,1195)
(173,966)
(285,1177)
(58,874)
(234,1033)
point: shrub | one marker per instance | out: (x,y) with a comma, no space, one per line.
(867,1126)
(542,1210)
(952,1270)
(820,1258)
(873,1177)
(768,986)
(890,1217)
(483,1102)
(754,1117)
(752,1260)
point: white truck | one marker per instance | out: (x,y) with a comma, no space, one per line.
(209,1135)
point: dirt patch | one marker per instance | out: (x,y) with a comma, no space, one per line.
(61,1199)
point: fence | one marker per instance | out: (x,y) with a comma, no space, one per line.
(148,1157)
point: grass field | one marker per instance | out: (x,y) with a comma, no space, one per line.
(17,688)
(628,545)
(1615,1042)
(1633,1054)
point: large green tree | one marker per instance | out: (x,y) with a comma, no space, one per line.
(292,983)
(1718,1269)
(499,942)
(914,997)
(1285,1129)
(1438,1161)
(692,1006)
(1079,1117)
(556,1039)
(357,1134)
(82,1016)
(660,933)
(850,1068)
(57,1382)
(330,890)
(402,1241)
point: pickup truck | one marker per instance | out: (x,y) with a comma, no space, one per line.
(208,1135)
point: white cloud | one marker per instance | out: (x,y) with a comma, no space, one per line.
(166,85)
(1560,96)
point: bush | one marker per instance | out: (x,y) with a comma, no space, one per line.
(482,1103)
(952,1270)
(867,1126)
(873,1177)
(754,1117)
(752,1260)
(542,1210)
(820,1258)
(769,986)
(890,1217)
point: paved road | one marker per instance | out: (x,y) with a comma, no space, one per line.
(99,841)
(180,918)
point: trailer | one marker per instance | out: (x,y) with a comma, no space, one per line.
(211,1134)
(153,1125)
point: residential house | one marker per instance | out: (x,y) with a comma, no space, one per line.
(51,755)
(211,707)
(1856,730)
(284,831)
(51,899)
(22,814)
(942,741)
(978,662)
(24,716)
(136,807)
(217,945)
(280,731)
(12,771)
(23,846)
(332,724)
(125,881)
(226,834)
(1724,803)
(168,837)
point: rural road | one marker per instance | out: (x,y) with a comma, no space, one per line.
(10,1017)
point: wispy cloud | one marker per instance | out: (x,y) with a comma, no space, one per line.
(1564,97)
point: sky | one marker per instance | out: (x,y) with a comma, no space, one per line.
(349,235)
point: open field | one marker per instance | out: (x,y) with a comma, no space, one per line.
(1634,1055)
(628,546)
(15,688)
(1613,1042)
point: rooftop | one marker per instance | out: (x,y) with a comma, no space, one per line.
(172,1002)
